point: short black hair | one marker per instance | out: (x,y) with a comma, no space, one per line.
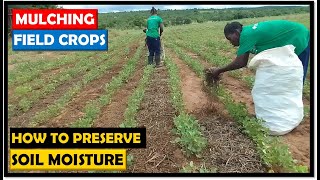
(232,27)
(153,10)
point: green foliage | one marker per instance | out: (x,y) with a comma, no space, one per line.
(23,90)
(130,159)
(191,137)
(249,80)
(24,104)
(306,111)
(306,89)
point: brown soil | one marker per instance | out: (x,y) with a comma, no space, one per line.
(113,114)
(10,67)
(228,149)
(156,114)
(298,140)
(73,110)
(194,98)
(193,95)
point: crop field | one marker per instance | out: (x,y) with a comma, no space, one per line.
(190,127)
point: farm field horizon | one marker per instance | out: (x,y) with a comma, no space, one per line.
(190,127)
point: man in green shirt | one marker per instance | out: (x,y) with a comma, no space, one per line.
(265,35)
(154,23)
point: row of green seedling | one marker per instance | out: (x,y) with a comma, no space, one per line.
(79,69)
(136,98)
(134,103)
(27,71)
(54,109)
(186,126)
(93,107)
(271,150)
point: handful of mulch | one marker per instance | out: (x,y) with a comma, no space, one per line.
(209,79)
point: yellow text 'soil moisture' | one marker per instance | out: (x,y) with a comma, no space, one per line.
(68,159)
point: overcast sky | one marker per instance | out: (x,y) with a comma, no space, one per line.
(121,8)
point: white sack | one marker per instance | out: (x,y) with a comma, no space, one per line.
(277,91)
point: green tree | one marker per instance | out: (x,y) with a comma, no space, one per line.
(187,21)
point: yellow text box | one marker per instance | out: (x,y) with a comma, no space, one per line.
(68,159)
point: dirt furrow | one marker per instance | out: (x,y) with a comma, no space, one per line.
(73,110)
(113,114)
(228,149)
(156,113)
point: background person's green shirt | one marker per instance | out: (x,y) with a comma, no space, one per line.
(153,24)
(258,37)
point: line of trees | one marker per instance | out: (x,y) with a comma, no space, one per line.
(137,19)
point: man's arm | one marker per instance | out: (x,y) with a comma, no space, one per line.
(161,28)
(240,62)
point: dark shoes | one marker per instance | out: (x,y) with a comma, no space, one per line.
(157,60)
(150,60)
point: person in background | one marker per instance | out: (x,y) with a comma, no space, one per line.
(153,32)
(261,36)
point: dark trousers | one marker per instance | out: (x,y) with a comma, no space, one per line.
(153,46)
(304,58)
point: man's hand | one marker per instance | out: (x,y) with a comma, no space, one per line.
(213,75)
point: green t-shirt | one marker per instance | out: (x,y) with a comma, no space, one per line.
(153,24)
(258,37)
